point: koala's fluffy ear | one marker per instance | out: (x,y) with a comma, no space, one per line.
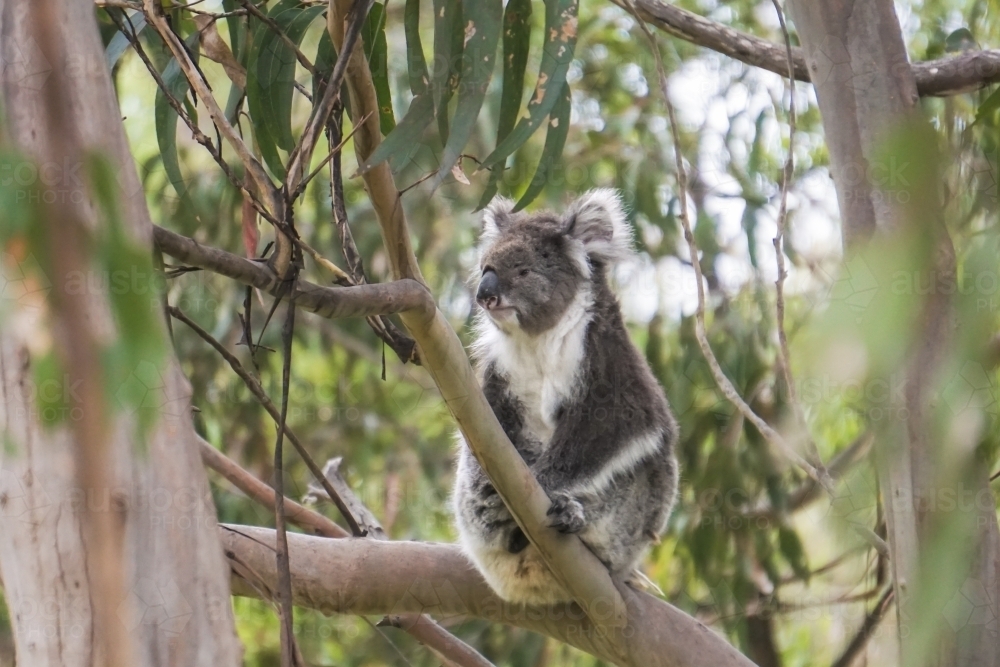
(597,220)
(495,217)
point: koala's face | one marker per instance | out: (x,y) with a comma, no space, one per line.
(531,267)
(528,277)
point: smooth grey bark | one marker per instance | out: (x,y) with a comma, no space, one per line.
(175,602)
(867,95)
(366,576)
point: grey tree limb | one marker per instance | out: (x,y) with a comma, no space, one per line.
(962,73)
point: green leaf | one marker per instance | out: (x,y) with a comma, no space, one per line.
(448,43)
(516,40)
(555,139)
(120,42)
(416,64)
(406,134)
(237,30)
(165,118)
(960,40)
(988,108)
(376,51)
(792,550)
(482,32)
(271,74)
(560,41)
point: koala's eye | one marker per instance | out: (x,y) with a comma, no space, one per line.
(524,272)
(545,255)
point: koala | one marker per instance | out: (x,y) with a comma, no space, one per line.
(572,392)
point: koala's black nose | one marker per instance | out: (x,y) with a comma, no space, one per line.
(489,289)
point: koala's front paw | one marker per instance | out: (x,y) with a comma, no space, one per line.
(567,513)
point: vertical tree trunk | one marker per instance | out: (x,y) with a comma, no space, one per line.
(866,92)
(167,603)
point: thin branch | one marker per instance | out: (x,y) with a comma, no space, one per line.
(303,517)
(330,302)
(175,104)
(810,489)
(336,150)
(785,362)
(281,259)
(276,29)
(725,385)
(866,630)
(258,391)
(404,346)
(963,73)
(302,153)
(366,518)
(285,607)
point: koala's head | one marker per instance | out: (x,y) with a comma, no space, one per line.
(532,266)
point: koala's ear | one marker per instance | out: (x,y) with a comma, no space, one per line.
(495,218)
(597,220)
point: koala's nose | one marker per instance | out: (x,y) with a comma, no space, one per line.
(489,289)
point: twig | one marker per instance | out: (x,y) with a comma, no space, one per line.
(276,29)
(286,610)
(303,517)
(404,346)
(331,94)
(282,257)
(866,630)
(255,388)
(785,362)
(725,385)
(336,149)
(366,519)
(182,113)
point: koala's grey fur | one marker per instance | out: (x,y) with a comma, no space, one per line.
(572,393)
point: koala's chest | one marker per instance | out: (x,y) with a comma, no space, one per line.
(543,377)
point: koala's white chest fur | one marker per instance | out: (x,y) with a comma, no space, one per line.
(542,370)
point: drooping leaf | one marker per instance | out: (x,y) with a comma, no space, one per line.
(165,118)
(120,42)
(416,64)
(555,139)
(237,30)
(271,73)
(960,40)
(482,32)
(516,39)
(560,42)
(989,107)
(447,66)
(376,51)
(405,136)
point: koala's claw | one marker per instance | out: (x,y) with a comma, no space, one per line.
(567,514)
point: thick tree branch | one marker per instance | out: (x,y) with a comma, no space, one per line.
(946,76)
(362,576)
(445,358)
(421,627)
(331,302)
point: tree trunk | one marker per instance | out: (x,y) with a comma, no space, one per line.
(128,570)
(867,96)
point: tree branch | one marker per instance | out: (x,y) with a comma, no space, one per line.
(963,73)
(421,627)
(362,576)
(330,302)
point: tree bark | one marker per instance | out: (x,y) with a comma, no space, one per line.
(883,161)
(364,576)
(169,602)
